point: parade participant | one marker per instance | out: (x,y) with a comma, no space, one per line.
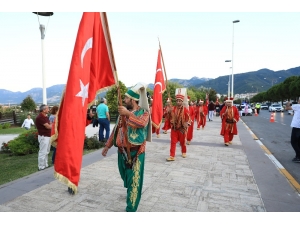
(230,116)
(132,130)
(180,120)
(44,132)
(167,124)
(202,111)
(211,110)
(190,131)
(295,124)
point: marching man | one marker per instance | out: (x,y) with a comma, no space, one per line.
(230,116)
(180,120)
(192,117)
(167,124)
(202,111)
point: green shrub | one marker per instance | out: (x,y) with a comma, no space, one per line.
(5,125)
(25,143)
(0,126)
(92,142)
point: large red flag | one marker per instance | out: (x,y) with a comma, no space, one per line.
(92,69)
(159,88)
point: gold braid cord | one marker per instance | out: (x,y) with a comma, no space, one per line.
(66,181)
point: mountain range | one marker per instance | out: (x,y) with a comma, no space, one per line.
(250,82)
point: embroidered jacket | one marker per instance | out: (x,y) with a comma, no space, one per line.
(137,126)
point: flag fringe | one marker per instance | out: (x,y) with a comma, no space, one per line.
(155,125)
(66,181)
(98,92)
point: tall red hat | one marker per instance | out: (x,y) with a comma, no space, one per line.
(180,97)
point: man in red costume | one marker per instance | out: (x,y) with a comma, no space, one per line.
(192,117)
(180,120)
(167,124)
(230,116)
(202,111)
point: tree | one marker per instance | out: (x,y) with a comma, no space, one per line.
(112,98)
(28,104)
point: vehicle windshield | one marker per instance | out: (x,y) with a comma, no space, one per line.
(276,105)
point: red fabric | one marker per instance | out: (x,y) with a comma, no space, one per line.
(176,136)
(191,127)
(159,88)
(234,131)
(155,130)
(201,120)
(90,70)
(167,124)
(227,136)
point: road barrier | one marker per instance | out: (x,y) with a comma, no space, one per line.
(272,118)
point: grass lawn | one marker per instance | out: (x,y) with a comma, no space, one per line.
(15,167)
(12,130)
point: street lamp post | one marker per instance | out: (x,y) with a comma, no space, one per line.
(233,22)
(228,80)
(272,80)
(42,30)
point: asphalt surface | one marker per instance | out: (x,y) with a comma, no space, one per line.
(276,137)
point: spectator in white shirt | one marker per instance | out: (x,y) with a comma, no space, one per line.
(27,122)
(295,136)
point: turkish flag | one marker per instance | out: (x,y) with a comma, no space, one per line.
(92,69)
(159,89)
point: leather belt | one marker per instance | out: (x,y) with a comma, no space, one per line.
(136,148)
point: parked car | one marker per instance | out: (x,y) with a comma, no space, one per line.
(276,108)
(249,111)
(264,106)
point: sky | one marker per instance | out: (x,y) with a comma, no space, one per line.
(194,43)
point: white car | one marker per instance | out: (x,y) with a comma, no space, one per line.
(264,106)
(276,108)
(245,111)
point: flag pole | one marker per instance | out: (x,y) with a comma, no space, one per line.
(122,118)
(162,58)
(110,50)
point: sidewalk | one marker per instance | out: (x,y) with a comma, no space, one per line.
(213,178)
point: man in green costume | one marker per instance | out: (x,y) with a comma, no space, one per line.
(130,135)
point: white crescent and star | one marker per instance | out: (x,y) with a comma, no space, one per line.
(87,46)
(158,83)
(84,89)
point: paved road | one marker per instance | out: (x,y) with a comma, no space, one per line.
(276,137)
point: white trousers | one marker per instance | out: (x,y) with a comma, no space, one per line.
(210,115)
(43,152)
(241,113)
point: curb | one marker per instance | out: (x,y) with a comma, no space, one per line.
(281,169)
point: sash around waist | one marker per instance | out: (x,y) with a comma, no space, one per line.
(132,149)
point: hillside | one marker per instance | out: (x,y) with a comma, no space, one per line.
(249,82)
